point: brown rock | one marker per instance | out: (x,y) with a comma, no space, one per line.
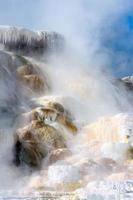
(25,70)
(59,154)
(54,113)
(34,82)
(65,121)
(35,142)
(56,106)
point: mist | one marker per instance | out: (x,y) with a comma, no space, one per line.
(80,78)
(83,70)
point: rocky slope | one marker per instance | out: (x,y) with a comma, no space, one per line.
(26,41)
(53,142)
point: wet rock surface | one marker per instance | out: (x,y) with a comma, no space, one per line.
(39,138)
(48,142)
(25,41)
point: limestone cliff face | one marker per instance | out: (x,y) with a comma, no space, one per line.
(26,41)
(21,78)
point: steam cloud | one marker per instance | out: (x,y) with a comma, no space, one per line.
(81,71)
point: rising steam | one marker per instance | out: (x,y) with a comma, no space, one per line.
(79,78)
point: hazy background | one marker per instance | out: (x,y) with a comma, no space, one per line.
(100,37)
(108,25)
